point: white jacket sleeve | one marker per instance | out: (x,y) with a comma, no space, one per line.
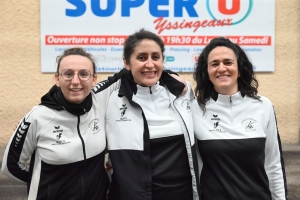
(274,164)
(19,150)
(112,83)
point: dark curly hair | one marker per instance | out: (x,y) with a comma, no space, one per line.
(75,51)
(247,83)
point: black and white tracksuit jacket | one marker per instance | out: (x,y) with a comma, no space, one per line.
(240,149)
(66,151)
(130,144)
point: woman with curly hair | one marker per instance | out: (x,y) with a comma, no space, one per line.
(236,128)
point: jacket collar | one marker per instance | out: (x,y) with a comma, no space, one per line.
(55,99)
(227,99)
(128,87)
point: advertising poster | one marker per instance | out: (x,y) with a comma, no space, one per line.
(186,27)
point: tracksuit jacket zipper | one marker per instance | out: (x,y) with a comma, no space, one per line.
(84,155)
(148,176)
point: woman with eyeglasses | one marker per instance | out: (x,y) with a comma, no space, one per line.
(64,136)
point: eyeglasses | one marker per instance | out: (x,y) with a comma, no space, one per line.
(83,74)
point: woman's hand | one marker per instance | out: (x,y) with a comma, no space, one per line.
(182,81)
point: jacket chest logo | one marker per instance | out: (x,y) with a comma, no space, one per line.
(249,124)
(94,126)
(123,110)
(59,136)
(215,124)
(186,105)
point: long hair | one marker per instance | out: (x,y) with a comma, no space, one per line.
(247,83)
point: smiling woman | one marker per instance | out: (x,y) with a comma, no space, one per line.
(223,70)
(74,77)
(235,128)
(149,128)
(64,136)
(146,63)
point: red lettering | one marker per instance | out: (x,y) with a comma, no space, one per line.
(163,24)
(188,25)
(221,22)
(211,23)
(169,26)
(181,24)
(196,24)
(235,7)
(204,23)
(175,25)
(160,25)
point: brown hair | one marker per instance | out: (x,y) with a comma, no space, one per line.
(75,51)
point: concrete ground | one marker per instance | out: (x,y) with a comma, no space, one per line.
(13,190)
(291,155)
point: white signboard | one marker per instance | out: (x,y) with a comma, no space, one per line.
(186,27)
